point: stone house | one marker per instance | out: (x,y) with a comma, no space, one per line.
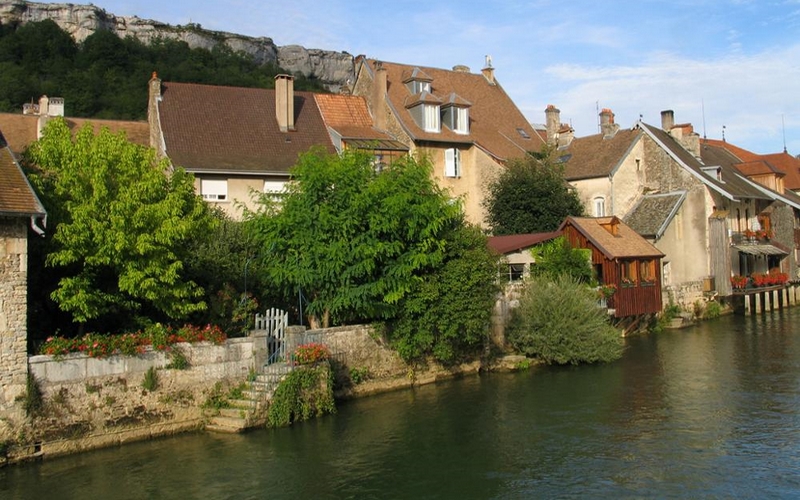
(516,252)
(242,141)
(19,209)
(464,122)
(655,180)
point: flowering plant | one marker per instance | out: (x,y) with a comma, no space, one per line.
(606,291)
(749,233)
(763,234)
(161,338)
(309,354)
(738,281)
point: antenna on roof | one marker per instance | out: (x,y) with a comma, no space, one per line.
(723,133)
(597,114)
(783,126)
(703,106)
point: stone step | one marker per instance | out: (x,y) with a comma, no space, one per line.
(239,413)
(226,424)
(247,403)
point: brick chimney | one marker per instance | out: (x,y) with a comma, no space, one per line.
(552,122)
(284,102)
(607,126)
(379,87)
(488,71)
(667,120)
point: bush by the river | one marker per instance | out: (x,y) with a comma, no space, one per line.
(560,322)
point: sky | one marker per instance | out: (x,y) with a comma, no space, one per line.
(727,67)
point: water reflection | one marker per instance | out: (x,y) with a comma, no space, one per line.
(710,411)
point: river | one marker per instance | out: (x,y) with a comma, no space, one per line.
(712,411)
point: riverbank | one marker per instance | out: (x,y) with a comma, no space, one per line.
(90,403)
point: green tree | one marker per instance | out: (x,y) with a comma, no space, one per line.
(353,241)
(530,196)
(122,224)
(447,314)
(559,322)
(557,258)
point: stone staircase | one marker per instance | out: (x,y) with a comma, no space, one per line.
(251,410)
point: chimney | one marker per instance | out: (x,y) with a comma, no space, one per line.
(488,71)
(607,126)
(284,102)
(379,87)
(44,116)
(460,68)
(552,122)
(153,118)
(667,120)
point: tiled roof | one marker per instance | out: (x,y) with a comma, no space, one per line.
(349,116)
(231,129)
(625,244)
(758,167)
(594,156)
(516,242)
(653,213)
(495,121)
(16,195)
(21,130)
(742,154)
(789,165)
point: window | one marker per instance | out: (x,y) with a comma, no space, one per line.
(452,163)
(274,187)
(516,272)
(214,190)
(418,87)
(430,118)
(647,271)
(628,269)
(599,207)
(461,120)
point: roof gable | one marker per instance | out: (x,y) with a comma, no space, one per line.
(626,243)
(596,156)
(495,123)
(653,213)
(515,242)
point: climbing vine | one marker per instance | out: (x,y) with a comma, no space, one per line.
(305,393)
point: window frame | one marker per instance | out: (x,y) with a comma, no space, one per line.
(452,163)
(214,190)
(599,202)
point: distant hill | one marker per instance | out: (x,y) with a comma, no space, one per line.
(330,68)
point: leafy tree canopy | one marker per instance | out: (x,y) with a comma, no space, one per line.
(530,196)
(556,258)
(353,241)
(106,76)
(122,224)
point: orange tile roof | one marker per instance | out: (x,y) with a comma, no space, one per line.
(349,116)
(231,129)
(758,167)
(495,121)
(21,130)
(742,154)
(627,243)
(789,165)
(17,198)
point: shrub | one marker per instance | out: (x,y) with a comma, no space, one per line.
(150,381)
(304,393)
(32,400)
(359,375)
(713,310)
(559,322)
(177,360)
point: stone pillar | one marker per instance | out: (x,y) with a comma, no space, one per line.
(13,309)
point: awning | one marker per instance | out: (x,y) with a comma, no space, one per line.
(760,249)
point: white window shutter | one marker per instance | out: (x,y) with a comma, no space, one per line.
(450,162)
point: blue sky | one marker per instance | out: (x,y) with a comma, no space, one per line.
(731,63)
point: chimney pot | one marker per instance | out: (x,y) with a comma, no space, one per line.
(552,122)
(667,120)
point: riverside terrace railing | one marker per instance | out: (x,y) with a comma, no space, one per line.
(274,322)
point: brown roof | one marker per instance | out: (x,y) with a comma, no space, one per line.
(742,154)
(516,242)
(758,167)
(349,116)
(596,156)
(17,198)
(232,129)
(21,130)
(625,244)
(495,123)
(789,165)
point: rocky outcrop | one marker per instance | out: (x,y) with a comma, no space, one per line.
(80,21)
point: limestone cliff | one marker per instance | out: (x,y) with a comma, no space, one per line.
(80,21)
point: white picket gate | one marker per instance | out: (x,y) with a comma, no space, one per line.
(274,321)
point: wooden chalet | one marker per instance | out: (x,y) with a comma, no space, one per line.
(623,258)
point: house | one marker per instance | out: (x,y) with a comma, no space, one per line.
(23,129)
(516,252)
(464,122)
(19,209)
(622,258)
(655,180)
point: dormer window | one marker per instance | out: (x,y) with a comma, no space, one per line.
(425,111)
(455,114)
(431,121)
(418,82)
(418,87)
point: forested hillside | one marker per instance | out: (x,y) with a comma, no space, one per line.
(106,77)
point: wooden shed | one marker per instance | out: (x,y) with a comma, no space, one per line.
(620,257)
